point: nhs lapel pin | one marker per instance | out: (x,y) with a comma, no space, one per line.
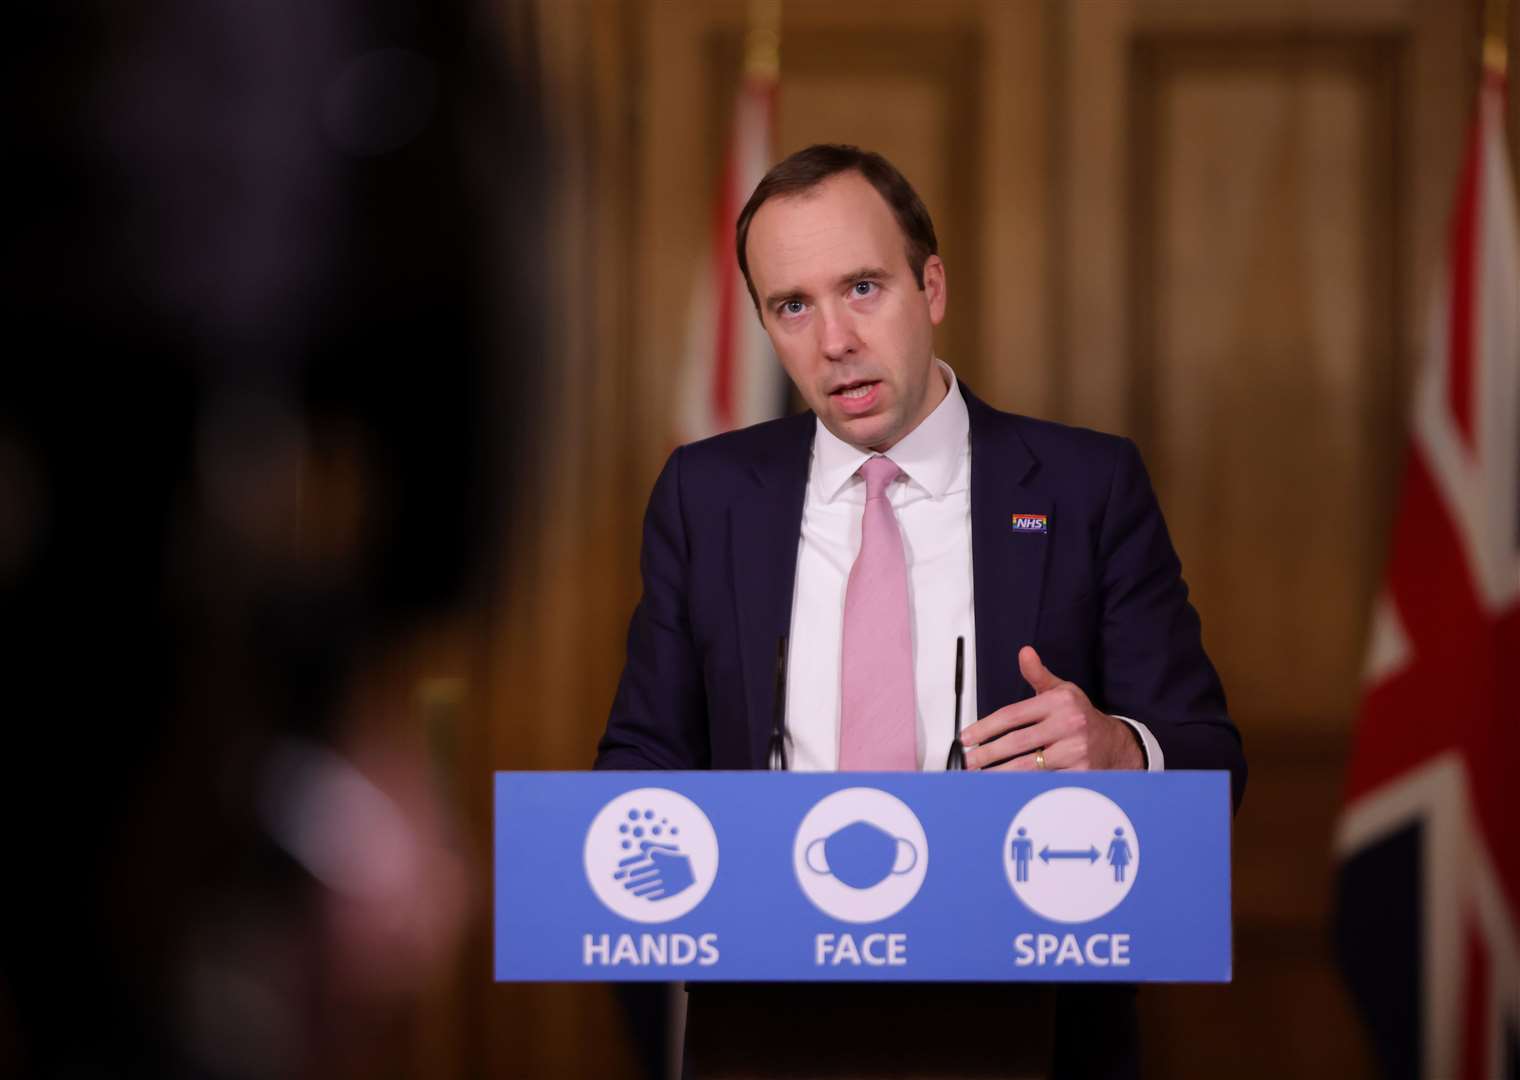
(1031,523)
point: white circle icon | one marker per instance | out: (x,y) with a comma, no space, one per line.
(651,855)
(1071,854)
(860,855)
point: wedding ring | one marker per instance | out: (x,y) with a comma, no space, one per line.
(1039,759)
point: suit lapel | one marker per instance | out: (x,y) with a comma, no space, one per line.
(765,527)
(1008,567)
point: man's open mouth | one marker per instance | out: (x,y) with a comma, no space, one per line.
(854,389)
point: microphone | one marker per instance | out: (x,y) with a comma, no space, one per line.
(777,754)
(957,759)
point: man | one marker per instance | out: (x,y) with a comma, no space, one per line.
(900,514)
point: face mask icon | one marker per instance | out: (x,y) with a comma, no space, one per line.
(861,855)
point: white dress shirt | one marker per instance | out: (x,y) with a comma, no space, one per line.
(932,502)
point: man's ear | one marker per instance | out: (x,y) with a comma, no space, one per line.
(934,288)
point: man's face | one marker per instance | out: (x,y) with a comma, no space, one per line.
(849,322)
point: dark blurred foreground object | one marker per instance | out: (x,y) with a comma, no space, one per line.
(910,1030)
(273,327)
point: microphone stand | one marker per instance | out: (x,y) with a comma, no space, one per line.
(957,759)
(777,754)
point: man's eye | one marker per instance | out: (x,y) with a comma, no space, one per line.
(864,288)
(792,307)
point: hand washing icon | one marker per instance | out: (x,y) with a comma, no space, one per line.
(650,855)
(861,855)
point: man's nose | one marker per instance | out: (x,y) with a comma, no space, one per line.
(837,339)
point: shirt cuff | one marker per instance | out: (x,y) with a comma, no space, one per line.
(1155,761)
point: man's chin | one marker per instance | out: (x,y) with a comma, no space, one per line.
(872,434)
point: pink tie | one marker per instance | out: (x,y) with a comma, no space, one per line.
(878,728)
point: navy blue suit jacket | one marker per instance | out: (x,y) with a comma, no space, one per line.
(1100,594)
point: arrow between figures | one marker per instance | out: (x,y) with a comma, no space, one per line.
(1091,855)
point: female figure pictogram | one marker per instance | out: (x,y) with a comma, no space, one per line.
(1118,854)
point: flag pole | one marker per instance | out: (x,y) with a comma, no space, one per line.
(1496,37)
(762,40)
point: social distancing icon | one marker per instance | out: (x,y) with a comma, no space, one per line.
(1071,854)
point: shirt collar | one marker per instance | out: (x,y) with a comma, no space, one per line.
(932,454)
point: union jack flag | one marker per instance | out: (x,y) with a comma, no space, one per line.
(1429,842)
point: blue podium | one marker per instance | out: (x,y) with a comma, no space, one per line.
(881,877)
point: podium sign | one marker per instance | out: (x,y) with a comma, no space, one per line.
(754,876)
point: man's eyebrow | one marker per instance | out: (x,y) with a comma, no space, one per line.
(776,298)
(861,274)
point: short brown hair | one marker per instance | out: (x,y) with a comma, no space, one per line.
(807,168)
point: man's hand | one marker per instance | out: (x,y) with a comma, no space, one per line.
(1058,719)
